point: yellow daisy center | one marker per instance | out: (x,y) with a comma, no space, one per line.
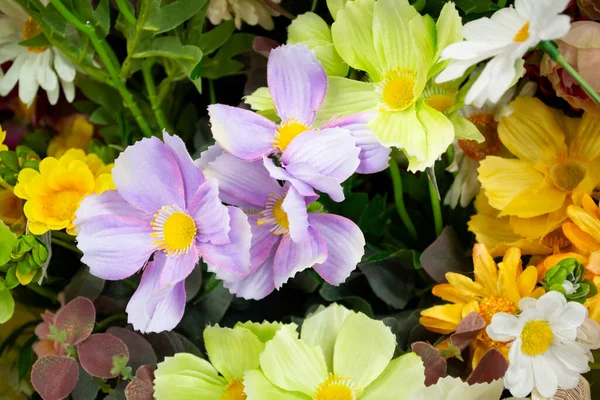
(31,29)
(487,309)
(567,174)
(523,34)
(62,205)
(275,215)
(335,388)
(234,391)
(399,90)
(488,127)
(287,131)
(440,97)
(174,229)
(537,337)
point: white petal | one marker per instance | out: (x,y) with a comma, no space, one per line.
(545,378)
(551,305)
(64,67)
(11,78)
(527,302)
(53,95)
(45,74)
(10,51)
(28,83)
(504,327)
(69,89)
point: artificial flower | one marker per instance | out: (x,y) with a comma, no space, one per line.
(11,209)
(593,303)
(583,230)
(310,158)
(286,238)
(398,49)
(3,147)
(496,289)
(591,8)
(252,12)
(163,206)
(31,67)
(231,351)
(558,161)
(544,351)
(45,346)
(340,355)
(449,388)
(74,132)
(53,195)
(505,38)
(312,30)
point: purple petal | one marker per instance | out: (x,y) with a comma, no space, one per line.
(255,286)
(115,247)
(210,215)
(209,155)
(148,177)
(345,246)
(297,82)
(282,175)
(263,241)
(233,257)
(307,175)
(176,268)
(152,309)
(243,133)
(107,203)
(331,152)
(292,258)
(192,176)
(294,205)
(374,156)
(242,183)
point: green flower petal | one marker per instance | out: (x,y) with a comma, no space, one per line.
(464,129)
(335,6)
(187,377)
(449,28)
(257,387)
(345,97)
(260,100)
(310,29)
(400,379)
(292,364)
(401,129)
(322,328)
(232,351)
(363,349)
(264,331)
(423,31)
(331,60)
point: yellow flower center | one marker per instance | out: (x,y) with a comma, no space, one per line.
(440,97)
(537,337)
(174,229)
(488,127)
(399,90)
(567,174)
(62,205)
(523,34)
(275,215)
(234,391)
(335,388)
(487,309)
(30,30)
(287,131)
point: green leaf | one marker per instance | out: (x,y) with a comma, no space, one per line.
(37,41)
(215,38)
(163,19)
(26,358)
(372,221)
(169,47)
(102,117)
(476,6)
(9,159)
(100,93)
(7,306)
(237,44)
(7,242)
(11,277)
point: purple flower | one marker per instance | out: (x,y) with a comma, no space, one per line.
(163,206)
(286,238)
(311,158)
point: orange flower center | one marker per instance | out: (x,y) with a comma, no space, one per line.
(568,174)
(31,29)
(556,239)
(487,309)
(488,127)
(234,391)
(523,34)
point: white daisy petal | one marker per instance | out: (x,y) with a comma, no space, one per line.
(45,74)
(527,303)
(545,378)
(64,67)
(11,78)
(567,379)
(504,327)
(551,305)
(10,51)
(28,82)
(571,317)
(556,29)
(69,89)
(53,95)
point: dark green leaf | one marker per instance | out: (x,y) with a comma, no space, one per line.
(25,358)
(9,159)
(37,41)
(216,37)
(163,19)
(100,93)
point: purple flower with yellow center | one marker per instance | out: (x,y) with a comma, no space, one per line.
(310,158)
(286,237)
(163,206)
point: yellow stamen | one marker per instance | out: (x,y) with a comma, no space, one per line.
(174,230)
(440,97)
(399,90)
(537,337)
(488,127)
(567,174)
(487,309)
(287,131)
(234,391)
(30,30)
(523,34)
(335,388)
(275,215)
(64,204)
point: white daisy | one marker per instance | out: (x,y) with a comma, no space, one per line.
(252,12)
(505,38)
(31,67)
(544,352)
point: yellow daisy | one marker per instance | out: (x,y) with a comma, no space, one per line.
(74,132)
(584,231)
(53,194)
(497,288)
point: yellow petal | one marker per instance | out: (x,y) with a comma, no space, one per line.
(443,319)
(527,281)
(593,264)
(583,241)
(532,133)
(26,278)
(537,227)
(435,325)
(589,182)
(586,143)
(590,206)
(547,197)
(509,270)
(537,293)
(472,306)
(449,293)
(37,228)
(584,221)
(486,271)
(465,285)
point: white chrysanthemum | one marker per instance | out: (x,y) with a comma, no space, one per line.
(505,38)
(544,351)
(252,12)
(31,67)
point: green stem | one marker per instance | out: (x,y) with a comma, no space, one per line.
(105,323)
(437,209)
(139,29)
(122,4)
(151,88)
(314,6)
(42,291)
(399,199)
(450,154)
(551,49)
(211,92)
(68,246)
(109,59)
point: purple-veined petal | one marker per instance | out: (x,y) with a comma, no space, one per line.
(242,183)
(210,215)
(209,155)
(297,82)
(292,257)
(256,285)
(192,176)
(282,175)
(305,174)
(152,309)
(115,247)
(263,241)
(374,156)
(294,205)
(345,246)
(243,133)
(176,268)
(107,203)
(148,177)
(233,257)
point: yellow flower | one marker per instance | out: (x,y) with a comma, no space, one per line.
(593,304)
(74,132)
(11,209)
(584,231)
(497,288)
(3,147)
(53,194)
(558,162)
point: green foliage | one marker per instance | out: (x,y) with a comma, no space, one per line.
(8,240)
(12,162)
(567,277)
(168,17)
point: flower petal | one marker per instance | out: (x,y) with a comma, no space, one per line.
(545,378)
(191,174)
(439,133)
(107,203)
(504,327)
(258,387)
(232,351)
(210,215)
(176,268)
(400,379)
(403,130)
(486,271)
(292,257)
(255,286)
(347,97)
(294,206)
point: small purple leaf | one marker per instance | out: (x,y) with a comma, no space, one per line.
(77,318)
(467,330)
(492,366)
(140,351)
(97,352)
(435,365)
(141,386)
(54,377)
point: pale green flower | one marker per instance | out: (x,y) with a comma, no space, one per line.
(341,355)
(454,388)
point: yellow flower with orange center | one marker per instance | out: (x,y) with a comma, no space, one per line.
(496,288)
(53,194)
(74,132)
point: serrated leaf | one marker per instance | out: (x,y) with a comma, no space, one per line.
(163,19)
